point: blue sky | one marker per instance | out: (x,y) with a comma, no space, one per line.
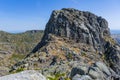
(22,15)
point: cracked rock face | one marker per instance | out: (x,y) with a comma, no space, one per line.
(83,27)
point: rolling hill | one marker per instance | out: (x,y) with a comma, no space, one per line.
(14,47)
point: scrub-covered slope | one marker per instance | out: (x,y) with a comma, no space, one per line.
(14,47)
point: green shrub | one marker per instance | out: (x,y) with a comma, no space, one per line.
(19,70)
(16,71)
(57,76)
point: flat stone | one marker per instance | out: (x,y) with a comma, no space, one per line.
(25,75)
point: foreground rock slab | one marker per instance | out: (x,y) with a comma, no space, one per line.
(25,75)
(98,71)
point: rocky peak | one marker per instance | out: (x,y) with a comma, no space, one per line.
(73,37)
(80,26)
(71,23)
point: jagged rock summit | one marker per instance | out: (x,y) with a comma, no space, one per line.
(74,38)
(83,27)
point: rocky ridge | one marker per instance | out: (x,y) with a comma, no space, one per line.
(74,37)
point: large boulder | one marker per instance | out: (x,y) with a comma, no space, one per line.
(83,77)
(103,68)
(98,71)
(25,75)
(81,70)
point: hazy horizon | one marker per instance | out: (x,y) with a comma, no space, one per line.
(16,32)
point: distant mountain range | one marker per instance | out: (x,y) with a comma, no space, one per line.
(116,37)
(115,31)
